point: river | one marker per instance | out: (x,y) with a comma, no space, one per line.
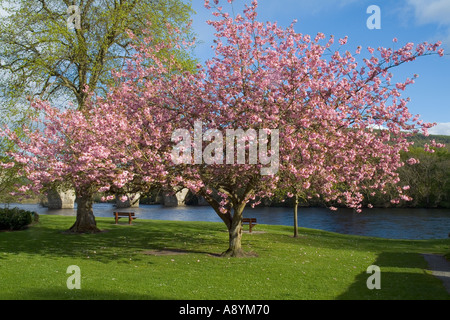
(377,222)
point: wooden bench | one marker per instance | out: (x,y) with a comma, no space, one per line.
(251,223)
(130,215)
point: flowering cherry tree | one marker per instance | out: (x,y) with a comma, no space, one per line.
(325,104)
(90,151)
(118,144)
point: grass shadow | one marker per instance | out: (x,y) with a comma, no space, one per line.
(116,241)
(82,294)
(402,277)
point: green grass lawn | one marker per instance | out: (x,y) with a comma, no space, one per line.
(118,264)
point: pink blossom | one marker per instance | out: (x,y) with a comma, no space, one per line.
(7,165)
(103,189)
(343,40)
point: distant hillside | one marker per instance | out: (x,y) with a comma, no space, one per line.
(420,140)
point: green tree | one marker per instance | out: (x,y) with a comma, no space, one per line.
(53,49)
(429,179)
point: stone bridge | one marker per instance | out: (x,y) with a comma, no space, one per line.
(60,199)
(66,200)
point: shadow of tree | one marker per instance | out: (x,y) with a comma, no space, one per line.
(83,294)
(403,276)
(116,241)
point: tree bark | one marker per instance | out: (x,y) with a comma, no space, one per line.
(235,237)
(296,216)
(235,232)
(85,221)
(233,223)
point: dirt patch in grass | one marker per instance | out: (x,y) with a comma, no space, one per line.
(165,252)
(253,232)
(175,252)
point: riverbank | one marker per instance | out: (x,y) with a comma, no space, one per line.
(179,260)
(412,224)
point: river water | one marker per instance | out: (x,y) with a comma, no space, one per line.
(377,222)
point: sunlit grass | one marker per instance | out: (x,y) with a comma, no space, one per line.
(120,263)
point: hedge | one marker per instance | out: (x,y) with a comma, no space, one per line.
(16,219)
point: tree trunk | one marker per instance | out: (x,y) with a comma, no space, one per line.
(234,226)
(235,234)
(85,222)
(296,216)
(235,237)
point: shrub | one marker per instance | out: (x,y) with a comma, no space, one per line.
(4,219)
(14,218)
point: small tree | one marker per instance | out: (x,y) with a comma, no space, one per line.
(325,108)
(89,150)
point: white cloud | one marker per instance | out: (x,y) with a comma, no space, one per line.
(433,12)
(441,129)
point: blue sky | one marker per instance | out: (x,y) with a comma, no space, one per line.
(407,20)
